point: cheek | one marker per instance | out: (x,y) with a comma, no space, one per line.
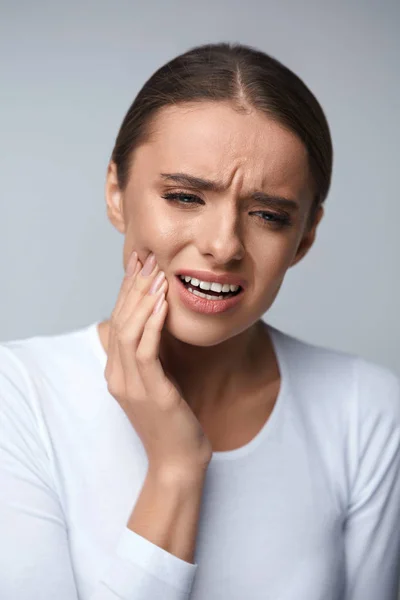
(269,280)
(156,233)
(151,220)
(273,260)
(273,256)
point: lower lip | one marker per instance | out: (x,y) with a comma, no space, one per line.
(203,305)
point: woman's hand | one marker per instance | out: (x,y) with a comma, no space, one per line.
(171,434)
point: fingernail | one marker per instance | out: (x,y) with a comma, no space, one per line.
(130,268)
(157,283)
(148,265)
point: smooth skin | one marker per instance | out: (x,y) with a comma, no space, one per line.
(221,364)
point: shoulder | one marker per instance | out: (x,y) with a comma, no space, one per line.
(316,370)
(336,377)
(46,370)
(378,387)
(41,356)
(375,423)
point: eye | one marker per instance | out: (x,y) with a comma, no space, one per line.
(277,221)
(179,196)
(282,220)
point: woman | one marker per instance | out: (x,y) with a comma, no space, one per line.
(184,447)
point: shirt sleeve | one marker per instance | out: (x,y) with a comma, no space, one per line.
(372,526)
(34,552)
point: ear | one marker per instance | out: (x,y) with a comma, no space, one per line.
(308,238)
(114,199)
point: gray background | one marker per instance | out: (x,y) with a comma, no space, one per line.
(69,71)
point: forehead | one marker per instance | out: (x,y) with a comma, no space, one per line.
(211,139)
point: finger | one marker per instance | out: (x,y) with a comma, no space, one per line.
(133,289)
(151,371)
(126,335)
(113,366)
(127,283)
(129,336)
(137,292)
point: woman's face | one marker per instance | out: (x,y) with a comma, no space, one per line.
(225,231)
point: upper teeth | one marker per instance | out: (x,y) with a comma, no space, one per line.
(207,285)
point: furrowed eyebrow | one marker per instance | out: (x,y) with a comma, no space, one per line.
(215,186)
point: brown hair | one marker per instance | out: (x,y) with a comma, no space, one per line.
(247,78)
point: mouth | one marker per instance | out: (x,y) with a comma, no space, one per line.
(220,292)
(208,302)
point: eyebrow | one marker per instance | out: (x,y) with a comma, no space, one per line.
(269,200)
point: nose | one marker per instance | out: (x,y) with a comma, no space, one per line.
(220,236)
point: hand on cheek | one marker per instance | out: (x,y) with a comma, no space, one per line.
(169,430)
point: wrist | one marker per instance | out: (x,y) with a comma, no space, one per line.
(174,475)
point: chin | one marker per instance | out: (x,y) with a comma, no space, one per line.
(199,330)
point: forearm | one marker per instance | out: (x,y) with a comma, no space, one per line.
(167,512)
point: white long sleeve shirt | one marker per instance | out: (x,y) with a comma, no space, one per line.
(309,509)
